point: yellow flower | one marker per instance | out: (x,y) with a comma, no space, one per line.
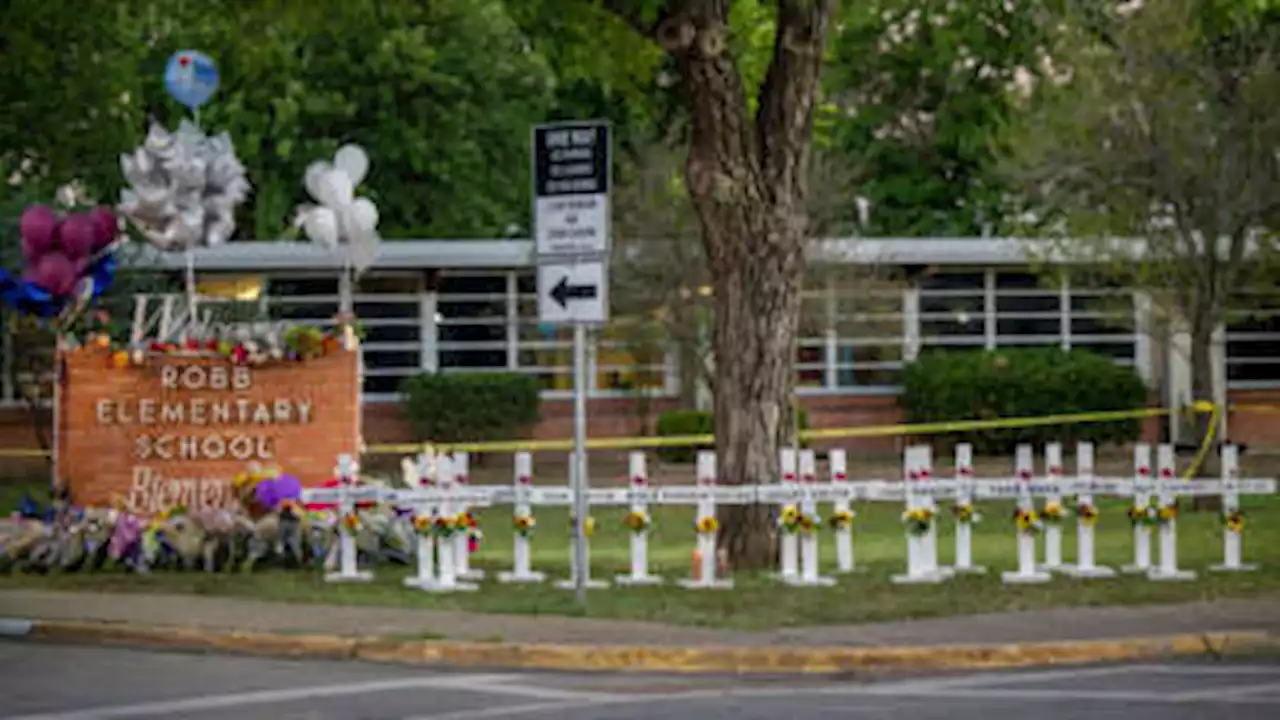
(1052,512)
(1087,513)
(351,522)
(1234,521)
(524,525)
(917,520)
(1168,512)
(707,524)
(842,520)
(588,527)
(1027,521)
(422,524)
(964,513)
(637,521)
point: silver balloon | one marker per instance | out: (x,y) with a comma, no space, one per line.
(341,218)
(183,187)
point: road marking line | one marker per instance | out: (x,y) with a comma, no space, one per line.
(1212,669)
(514,710)
(984,679)
(265,697)
(1231,691)
(1083,694)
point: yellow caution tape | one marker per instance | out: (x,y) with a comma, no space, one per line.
(632,443)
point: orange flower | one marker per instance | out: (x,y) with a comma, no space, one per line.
(120,360)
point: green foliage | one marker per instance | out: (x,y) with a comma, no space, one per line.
(471,407)
(700,422)
(946,386)
(923,88)
(441,95)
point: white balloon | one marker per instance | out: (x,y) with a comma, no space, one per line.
(321,226)
(364,214)
(311,179)
(352,160)
(335,189)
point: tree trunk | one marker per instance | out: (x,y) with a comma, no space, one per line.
(1203,387)
(746,178)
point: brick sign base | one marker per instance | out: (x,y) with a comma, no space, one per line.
(175,431)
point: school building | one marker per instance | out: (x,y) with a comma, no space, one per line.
(470,306)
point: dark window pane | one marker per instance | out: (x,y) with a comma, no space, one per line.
(953,281)
(473,358)
(1028,303)
(1028,326)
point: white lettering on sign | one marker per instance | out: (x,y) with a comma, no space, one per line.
(151,492)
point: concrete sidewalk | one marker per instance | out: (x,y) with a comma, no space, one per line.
(242,615)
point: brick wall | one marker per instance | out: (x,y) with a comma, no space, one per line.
(1259,427)
(138,455)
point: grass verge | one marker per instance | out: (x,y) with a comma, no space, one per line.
(758,602)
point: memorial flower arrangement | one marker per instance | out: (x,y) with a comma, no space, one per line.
(468,524)
(842,519)
(1234,521)
(524,525)
(638,522)
(351,522)
(294,345)
(423,525)
(707,525)
(1167,513)
(808,523)
(1143,515)
(789,519)
(1027,521)
(444,526)
(917,521)
(965,513)
(588,527)
(1087,513)
(1052,513)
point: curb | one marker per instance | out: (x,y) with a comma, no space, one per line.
(665,659)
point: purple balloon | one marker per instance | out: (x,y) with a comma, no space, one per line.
(78,235)
(288,487)
(37,228)
(265,493)
(106,227)
(55,273)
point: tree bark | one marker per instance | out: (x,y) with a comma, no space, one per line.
(747,180)
(1203,387)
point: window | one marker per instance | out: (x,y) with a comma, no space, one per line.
(1253,342)
(1102,321)
(952,309)
(1028,312)
(869,337)
(471,316)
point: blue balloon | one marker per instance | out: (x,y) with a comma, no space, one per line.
(191,78)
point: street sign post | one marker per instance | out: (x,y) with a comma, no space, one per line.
(571,214)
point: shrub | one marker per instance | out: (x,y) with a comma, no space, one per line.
(698,422)
(944,386)
(470,407)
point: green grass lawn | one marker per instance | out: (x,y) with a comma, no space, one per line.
(758,602)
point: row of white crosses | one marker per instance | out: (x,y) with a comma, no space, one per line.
(443,562)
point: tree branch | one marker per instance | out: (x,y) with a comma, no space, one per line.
(788,95)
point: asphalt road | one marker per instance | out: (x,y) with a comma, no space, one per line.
(46,682)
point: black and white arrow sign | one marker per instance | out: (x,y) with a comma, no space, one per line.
(563,292)
(573,292)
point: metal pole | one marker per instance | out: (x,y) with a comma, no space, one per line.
(578,474)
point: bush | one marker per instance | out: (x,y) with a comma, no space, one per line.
(944,386)
(470,407)
(698,422)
